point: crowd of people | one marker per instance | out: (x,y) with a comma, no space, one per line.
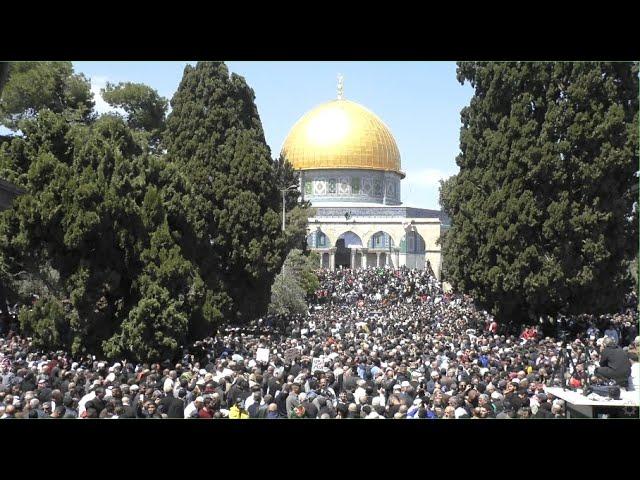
(379,343)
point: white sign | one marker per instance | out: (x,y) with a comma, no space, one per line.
(262,355)
(317,364)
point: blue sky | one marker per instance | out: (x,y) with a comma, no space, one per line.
(419,101)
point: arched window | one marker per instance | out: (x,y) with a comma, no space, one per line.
(380,240)
(412,242)
(351,240)
(318,239)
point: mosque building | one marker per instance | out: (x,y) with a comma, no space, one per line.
(350,171)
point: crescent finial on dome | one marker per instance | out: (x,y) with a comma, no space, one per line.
(340,86)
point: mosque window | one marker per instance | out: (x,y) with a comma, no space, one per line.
(317,239)
(322,239)
(377,188)
(355,185)
(308,187)
(380,240)
(415,243)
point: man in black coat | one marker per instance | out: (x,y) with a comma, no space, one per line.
(97,402)
(240,389)
(311,411)
(43,392)
(28,382)
(129,411)
(614,363)
(281,401)
(172,406)
(270,384)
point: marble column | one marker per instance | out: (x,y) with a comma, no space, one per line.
(321,258)
(387,259)
(332,259)
(397,258)
(353,258)
(377,259)
(363,259)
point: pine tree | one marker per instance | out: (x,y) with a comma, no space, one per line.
(90,235)
(541,209)
(30,87)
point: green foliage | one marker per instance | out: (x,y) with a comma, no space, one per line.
(133,252)
(83,228)
(302,267)
(287,296)
(297,213)
(92,233)
(231,222)
(35,86)
(145,109)
(541,207)
(294,283)
(4,75)
(47,322)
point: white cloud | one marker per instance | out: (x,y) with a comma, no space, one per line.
(98,83)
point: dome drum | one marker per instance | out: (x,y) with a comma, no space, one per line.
(351,185)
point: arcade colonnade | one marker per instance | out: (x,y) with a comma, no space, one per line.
(381,242)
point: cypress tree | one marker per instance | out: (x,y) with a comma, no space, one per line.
(541,209)
(230,225)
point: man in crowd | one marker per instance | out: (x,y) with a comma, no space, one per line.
(614,363)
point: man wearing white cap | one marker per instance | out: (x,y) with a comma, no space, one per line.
(360,391)
(192,409)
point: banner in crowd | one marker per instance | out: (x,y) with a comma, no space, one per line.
(291,354)
(262,355)
(317,364)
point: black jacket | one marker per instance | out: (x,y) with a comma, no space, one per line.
(44,395)
(311,411)
(234,392)
(270,386)
(129,412)
(281,401)
(96,403)
(327,409)
(617,360)
(253,410)
(173,407)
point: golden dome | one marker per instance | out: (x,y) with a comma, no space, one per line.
(341,134)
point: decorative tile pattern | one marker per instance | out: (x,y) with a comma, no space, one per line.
(344,186)
(355,185)
(320,186)
(399,211)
